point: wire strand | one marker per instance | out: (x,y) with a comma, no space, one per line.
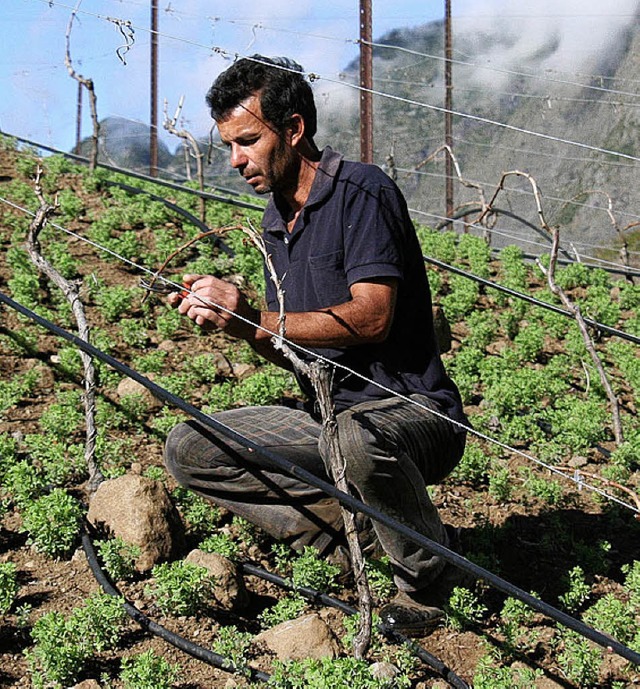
(308,352)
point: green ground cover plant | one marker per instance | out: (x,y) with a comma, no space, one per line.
(526,380)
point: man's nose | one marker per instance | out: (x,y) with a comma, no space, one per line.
(238,157)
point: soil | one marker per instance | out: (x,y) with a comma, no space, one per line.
(533,544)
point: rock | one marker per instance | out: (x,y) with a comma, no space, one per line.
(305,637)
(222,364)
(442,329)
(242,371)
(383,670)
(87,684)
(167,346)
(138,510)
(128,388)
(229,590)
(577,462)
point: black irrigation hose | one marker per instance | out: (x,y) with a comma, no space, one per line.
(344,498)
(147,178)
(176,209)
(532,300)
(149,625)
(429,659)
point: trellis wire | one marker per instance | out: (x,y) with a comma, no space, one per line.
(312,76)
(353,503)
(346,369)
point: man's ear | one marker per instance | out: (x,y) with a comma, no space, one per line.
(296,129)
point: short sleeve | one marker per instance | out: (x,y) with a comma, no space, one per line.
(373,231)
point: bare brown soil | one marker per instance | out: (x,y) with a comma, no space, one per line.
(532,542)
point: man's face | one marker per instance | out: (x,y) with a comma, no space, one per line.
(260,154)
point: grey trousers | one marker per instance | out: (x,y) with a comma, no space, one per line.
(393,449)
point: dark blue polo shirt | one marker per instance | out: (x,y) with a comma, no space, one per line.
(355,226)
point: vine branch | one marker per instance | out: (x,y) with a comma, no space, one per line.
(70,292)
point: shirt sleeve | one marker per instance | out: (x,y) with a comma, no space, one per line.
(373,231)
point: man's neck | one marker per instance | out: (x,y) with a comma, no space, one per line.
(297,196)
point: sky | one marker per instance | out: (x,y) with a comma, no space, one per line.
(198,38)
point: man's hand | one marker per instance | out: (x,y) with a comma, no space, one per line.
(214,304)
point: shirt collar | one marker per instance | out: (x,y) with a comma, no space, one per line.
(321,188)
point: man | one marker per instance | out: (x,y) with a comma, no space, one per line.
(355,292)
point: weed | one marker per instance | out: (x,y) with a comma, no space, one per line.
(134,333)
(325,672)
(632,582)
(58,461)
(474,466)
(550,491)
(476,252)
(168,322)
(579,659)
(57,656)
(150,362)
(99,623)
(461,298)
(22,483)
(490,675)
(578,591)
(440,245)
(114,302)
(380,577)
(233,644)
(611,616)
(307,569)
(482,327)
(12,391)
(463,609)
(221,543)
(148,671)
(287,608)
(263,388)
(500,484)
(180,588)
(163,422)
(515,619)
(513,271)
(202,516)
(118,558)
(8,586)
(53,522)
(65,417)
(64,645)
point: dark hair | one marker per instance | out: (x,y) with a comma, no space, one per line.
(282,92)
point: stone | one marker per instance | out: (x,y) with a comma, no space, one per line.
(128,387)
(87,684)
(242,371)
(305,637)
(229,590)
(384,670)
(138,510)
(222,364)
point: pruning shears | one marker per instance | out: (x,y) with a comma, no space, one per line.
(163,287)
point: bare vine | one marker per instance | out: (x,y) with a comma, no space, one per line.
(88,85)
(70,292)
(320,377)
(574,308)
(170,124)
(620,231)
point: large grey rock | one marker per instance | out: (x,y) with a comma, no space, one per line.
(229,590)
(138,510)
(306,637)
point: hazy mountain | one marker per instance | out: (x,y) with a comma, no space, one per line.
(560,101)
